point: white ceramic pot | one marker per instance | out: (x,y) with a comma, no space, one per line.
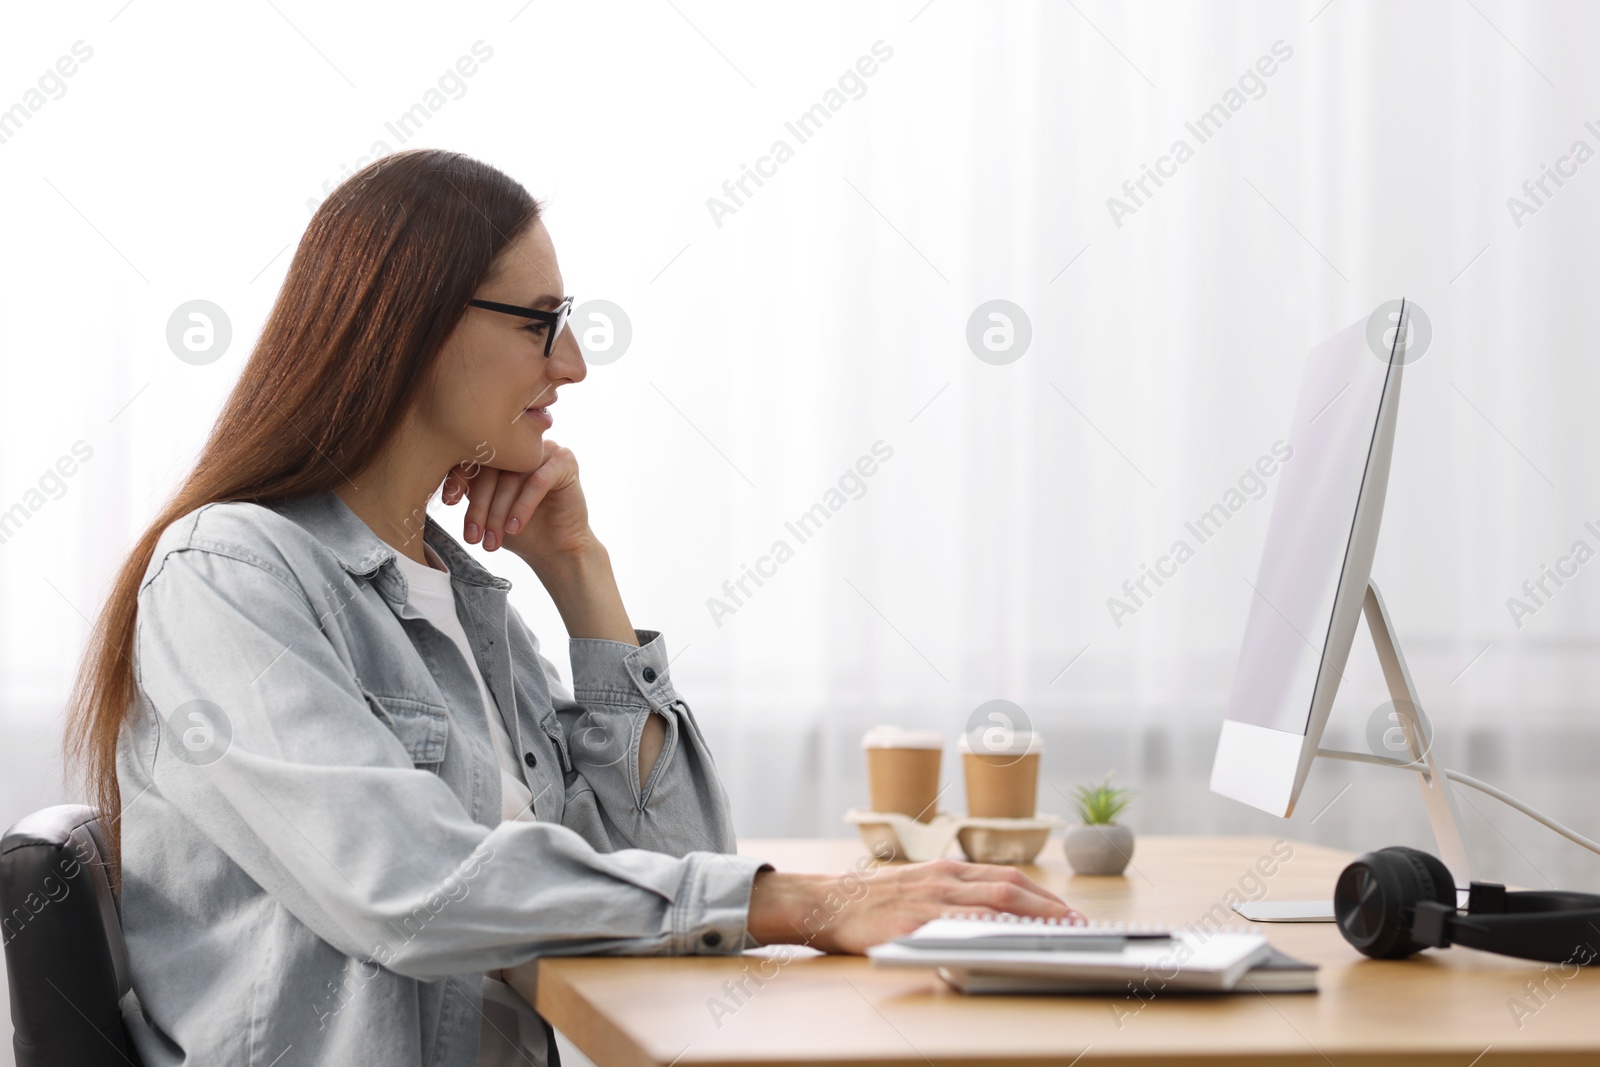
(1105,849)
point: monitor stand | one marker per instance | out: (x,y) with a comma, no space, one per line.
(1437,797)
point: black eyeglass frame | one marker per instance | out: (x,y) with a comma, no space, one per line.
(556,320)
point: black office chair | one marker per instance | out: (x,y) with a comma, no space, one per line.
(65,958)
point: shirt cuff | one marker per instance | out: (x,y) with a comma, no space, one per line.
(712,918)
(612,672)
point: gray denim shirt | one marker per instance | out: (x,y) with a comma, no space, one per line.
(314,867)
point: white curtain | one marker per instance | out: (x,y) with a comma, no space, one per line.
(780,337)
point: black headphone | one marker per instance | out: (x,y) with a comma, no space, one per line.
(1395,902)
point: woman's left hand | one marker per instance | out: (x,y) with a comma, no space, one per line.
(537,515)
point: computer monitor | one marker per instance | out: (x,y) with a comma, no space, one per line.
(1316,566)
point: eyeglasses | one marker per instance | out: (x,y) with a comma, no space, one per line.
(555,321)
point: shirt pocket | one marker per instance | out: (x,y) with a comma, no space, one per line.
(421,727)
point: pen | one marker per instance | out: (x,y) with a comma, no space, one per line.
(1035,942)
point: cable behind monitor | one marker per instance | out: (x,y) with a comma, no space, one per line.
(1467,780)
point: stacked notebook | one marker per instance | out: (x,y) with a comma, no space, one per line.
(1009,954)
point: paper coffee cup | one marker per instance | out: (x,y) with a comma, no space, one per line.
(903,770)
(1002,773)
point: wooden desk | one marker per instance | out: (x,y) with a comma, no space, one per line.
(1448,1007)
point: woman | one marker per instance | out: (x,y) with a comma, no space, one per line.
(354,796)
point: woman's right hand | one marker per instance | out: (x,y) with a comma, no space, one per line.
(852,912)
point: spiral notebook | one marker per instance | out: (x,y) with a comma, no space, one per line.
(977,953)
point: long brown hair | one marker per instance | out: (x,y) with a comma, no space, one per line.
(381,275)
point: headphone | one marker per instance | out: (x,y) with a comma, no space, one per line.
(1395,902)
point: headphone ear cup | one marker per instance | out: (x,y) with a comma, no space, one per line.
(1438,884)
(1376,894)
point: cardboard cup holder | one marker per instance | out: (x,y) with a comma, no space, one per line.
(890,835)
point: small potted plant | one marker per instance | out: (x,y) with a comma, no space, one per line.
(1101,845)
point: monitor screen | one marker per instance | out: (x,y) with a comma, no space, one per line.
(1309,535)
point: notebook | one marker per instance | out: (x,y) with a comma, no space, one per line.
(979,950)
(1278,973)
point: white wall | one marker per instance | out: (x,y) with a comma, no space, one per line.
(829,312)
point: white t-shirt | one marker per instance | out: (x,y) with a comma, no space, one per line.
(511,1035)
(430,593)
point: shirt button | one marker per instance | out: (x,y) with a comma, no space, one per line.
(712,939)
(649,674)
(530,759)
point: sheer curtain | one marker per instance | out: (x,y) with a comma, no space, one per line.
(791,333)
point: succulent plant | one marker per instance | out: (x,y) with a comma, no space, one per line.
(1100,804)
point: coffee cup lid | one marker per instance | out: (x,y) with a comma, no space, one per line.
(995,742)
(900,737)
